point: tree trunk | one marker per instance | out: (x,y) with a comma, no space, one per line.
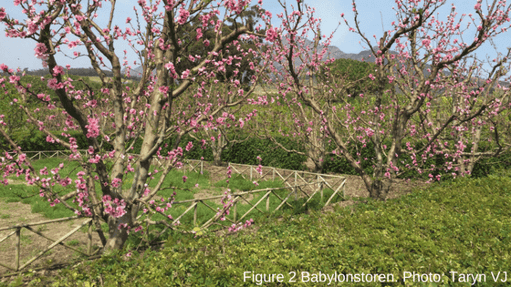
(217,157)
(118,236)
(216,148)
(318,166)
(378,188)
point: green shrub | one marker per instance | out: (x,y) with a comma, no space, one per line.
(272,155)
(459,226)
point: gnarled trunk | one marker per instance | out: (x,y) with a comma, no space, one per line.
(217,154)
(117,236)
(217,148)
(378,187)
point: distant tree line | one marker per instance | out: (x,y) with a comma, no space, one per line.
(84,72)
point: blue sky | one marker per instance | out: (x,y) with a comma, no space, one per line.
(20,53)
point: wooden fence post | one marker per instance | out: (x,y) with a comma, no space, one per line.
(18,235)
(195,215)
(89,242)
(321,190)
(295,189)
(235,211)
(320,186)
(147,232)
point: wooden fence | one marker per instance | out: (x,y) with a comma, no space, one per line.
(301,184)
(290,177)
(48,153)
(191,165)
(17,232)
(242,198)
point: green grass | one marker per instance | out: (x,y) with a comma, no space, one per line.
(172,183)
(461,226)
(73,242)
(184,191)
(30,195)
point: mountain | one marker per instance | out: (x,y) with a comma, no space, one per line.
(134,72)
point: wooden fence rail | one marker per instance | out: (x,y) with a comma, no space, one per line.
(17,232)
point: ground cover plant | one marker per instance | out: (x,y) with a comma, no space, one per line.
(431,230)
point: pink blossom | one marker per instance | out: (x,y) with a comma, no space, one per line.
(2,13)
(58,70)
(54,84)
(271,35)
(169,66)
(13,80)
(164,89)
(199,34)
(92,127)
(183,16)
(185,74)
(115,208)
(189,146)
(259,169)
(40,51)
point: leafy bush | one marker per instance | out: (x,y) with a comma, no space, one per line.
(248,151)
(35,140)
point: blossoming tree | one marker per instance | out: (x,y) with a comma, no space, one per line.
(433,109)
(167,101)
